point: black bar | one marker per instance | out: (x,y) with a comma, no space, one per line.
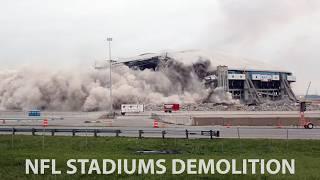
(13,131)
(140,134)
(117,133)
(163,133)
(95,133)
(33,132)
(187,134)
(73,132)
(52,132)
(211,133)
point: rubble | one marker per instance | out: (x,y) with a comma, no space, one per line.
(267,106)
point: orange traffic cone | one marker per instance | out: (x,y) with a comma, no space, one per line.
(155,124)
(228,124)
(279,124)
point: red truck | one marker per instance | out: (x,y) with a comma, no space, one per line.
(171,107)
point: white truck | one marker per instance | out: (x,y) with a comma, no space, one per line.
(131,108)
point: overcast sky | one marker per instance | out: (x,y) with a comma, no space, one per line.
(73,32)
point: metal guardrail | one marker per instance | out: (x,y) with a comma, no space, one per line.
(185,133)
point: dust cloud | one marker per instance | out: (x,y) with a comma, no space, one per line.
(88,90)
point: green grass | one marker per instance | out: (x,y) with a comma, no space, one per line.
(13,155)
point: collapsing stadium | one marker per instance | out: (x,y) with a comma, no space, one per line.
(251,82)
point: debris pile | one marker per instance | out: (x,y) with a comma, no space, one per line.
(268,106)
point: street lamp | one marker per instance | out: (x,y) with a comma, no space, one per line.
(109,39)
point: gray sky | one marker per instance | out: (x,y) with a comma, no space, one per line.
(73,32)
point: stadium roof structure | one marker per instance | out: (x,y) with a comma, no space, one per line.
(216,58)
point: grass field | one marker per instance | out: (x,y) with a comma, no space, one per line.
(15,149)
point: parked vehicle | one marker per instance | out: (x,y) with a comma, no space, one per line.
(171,107)
(131,108)
(34,113)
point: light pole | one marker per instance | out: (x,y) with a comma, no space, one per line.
(109,39)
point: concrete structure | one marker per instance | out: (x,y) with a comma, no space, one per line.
(250,81)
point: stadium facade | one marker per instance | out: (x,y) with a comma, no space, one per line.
(247,80)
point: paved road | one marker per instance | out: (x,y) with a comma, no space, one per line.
(144,119)
(131,123)
(195,132)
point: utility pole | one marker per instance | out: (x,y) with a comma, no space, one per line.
(109,39)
